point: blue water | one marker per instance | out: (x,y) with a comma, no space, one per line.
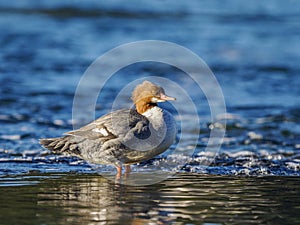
(253,50)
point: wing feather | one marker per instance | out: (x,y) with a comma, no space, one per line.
(116,125)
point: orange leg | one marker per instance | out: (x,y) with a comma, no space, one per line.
(119,172)
(127,169)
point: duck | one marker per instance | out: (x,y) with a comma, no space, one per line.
(125,136)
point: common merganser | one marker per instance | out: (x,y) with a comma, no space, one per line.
(125,136)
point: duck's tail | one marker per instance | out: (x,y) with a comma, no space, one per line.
(61,145)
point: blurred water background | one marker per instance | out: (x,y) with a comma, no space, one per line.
(253,49)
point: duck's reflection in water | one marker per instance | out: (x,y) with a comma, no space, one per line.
(194,199)
(97,200)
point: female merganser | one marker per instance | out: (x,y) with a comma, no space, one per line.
(124,136)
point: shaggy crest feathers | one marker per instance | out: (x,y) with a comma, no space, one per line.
(146,90)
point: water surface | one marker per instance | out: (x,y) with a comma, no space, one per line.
(253,50)
(184,199)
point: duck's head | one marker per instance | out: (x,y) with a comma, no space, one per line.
(146,95)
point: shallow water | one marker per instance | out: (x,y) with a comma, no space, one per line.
(43,59)
(183,199)
(253,51)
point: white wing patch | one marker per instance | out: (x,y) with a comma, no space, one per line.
(102,131)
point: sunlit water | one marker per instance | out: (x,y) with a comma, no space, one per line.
(183,199)
(253,50)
